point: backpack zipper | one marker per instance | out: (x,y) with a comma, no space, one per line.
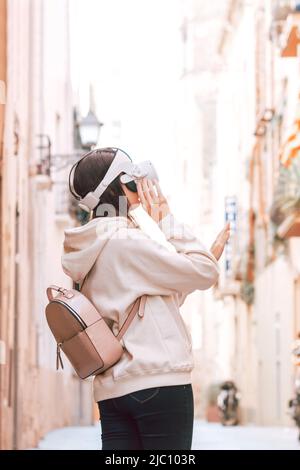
(59,361)
(75,314)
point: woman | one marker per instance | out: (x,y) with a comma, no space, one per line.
(146,399)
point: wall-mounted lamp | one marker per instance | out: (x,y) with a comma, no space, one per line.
(88,129)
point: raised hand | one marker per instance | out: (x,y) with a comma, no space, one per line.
(152,198)
(218,245)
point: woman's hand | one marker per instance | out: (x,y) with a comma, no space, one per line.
(152,199)
(220,242)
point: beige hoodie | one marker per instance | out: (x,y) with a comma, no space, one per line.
(124,263)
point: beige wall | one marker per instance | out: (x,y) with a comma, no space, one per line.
(262,334)
(35,398)
(274,309)
(3,389)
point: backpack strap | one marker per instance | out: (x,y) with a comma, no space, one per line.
(138,307)
(67,293)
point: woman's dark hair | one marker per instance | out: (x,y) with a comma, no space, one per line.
(87,176)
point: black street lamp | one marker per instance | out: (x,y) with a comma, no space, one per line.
(86,133)
(89,129)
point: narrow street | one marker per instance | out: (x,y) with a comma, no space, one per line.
(207,436)
(152,149)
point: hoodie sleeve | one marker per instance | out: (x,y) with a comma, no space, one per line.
(154,270)
(183,240)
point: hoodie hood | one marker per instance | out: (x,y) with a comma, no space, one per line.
(82,245)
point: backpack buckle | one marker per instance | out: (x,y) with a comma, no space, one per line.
(67,293)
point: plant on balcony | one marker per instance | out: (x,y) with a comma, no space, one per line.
(277,245)
(287,192)
(247,289)
(244,272)
(247,292)
(281,11)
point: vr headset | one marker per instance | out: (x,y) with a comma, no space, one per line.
(121,163)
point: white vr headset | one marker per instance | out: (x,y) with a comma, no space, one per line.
(121,164)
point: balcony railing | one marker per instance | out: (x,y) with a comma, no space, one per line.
(285,210)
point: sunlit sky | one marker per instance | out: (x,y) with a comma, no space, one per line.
(131,52)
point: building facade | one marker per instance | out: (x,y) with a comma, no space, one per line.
(35,398)
(241,90)
(258,97)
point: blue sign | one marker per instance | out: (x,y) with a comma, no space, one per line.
(230,216)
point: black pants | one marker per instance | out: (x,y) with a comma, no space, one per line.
(153,418)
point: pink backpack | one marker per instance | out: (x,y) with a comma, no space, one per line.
(81,332)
